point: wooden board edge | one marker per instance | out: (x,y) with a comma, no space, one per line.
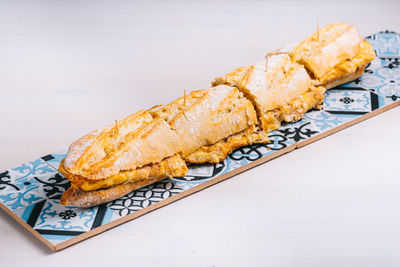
(28,227)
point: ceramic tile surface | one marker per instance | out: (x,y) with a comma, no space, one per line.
(32,190)
(29,183)
(144,197)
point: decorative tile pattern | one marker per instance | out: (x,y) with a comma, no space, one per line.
(384,81)
(322,120)
(29,183)
(144,197)
(298,131)
(59,223)
(58,217)
(385,43)
(389,62)
(199,174)
(355,101)
(32,190)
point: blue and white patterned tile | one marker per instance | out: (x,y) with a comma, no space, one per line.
(24,212)
(384,81)
(58,223)
(389,62)
(245,155)
(348,100)
(29,183)
(54,159)
(58,217)
(322,121)
(299,131)
(337,118)
(198,174)
(345,104)
(144,197)
(201,173)
(385,44)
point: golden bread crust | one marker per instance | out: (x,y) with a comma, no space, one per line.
(171,110)
(152,143)
(271,83)
(139,140)
(107,141)
(219,113)
(322,51)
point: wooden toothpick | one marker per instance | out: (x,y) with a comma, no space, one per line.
(184,98)
(318,31)
(116,126)
(266,61)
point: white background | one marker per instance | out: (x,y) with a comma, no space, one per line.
(67,67)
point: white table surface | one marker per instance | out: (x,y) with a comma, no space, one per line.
(67,67)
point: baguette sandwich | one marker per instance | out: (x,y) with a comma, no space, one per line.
(206,125)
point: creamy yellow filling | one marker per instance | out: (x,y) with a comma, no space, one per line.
(217,152)
(294,110)
(172,166)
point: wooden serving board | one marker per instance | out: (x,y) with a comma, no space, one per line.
(30,193)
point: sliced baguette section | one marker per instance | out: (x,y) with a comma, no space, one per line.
(214,114)
(274,82)
(328,47)
(150,142)
(105,152)
(280,89)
